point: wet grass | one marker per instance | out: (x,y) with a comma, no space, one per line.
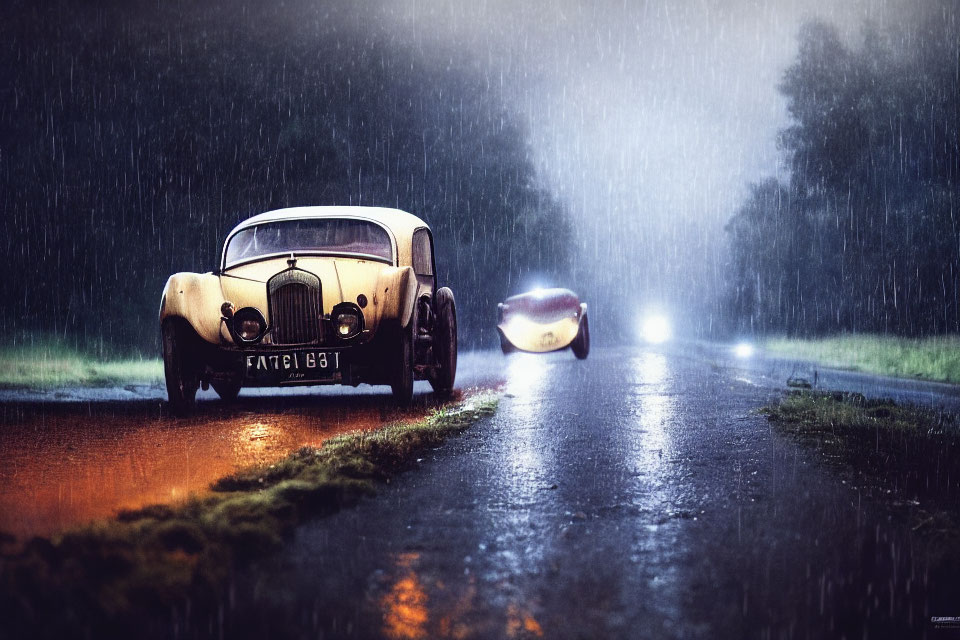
(936,358)
(168,567)
(850,414)
(44,363)
(904,457)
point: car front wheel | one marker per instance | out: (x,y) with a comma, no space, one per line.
(505,345)
(180,370)
(444,342)
(581,344)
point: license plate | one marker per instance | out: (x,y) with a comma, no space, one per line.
(293,366)
(548,340)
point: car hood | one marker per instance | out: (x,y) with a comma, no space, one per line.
(341,280)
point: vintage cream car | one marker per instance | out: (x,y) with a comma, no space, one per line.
(310,296)
(544,320)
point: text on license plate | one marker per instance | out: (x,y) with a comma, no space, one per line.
(297,361)
(548,339)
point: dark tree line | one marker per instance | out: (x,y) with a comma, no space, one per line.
(134,135)
(865,234)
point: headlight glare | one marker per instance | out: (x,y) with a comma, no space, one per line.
(743,350)
(346,324)
(656,329)
(347,321)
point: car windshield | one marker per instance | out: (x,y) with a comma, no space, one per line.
(310,235)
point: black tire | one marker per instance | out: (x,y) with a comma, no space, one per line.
(505,345)
(179,368)
(402,379)
(228,390)
(444,341)
(581,344)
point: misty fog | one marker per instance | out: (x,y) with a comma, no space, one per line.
(626,135)
(648,119)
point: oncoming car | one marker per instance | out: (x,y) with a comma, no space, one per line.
(544,320)
(310,296)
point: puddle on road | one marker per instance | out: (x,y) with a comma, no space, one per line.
(65,465)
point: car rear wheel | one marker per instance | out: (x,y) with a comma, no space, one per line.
(402,382)
(228,390)
(581,344)
(179,368)
(444,341)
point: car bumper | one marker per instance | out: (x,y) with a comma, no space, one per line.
(529,335)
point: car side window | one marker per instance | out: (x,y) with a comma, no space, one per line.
(422,253)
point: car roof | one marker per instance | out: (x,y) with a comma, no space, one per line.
(539,295)
(399,222)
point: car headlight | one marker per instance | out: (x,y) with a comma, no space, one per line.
(743,350)
(249,324)
(347,321)
(656,329)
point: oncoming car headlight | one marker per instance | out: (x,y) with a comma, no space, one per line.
(347,320)
(743,350)
(656,329)
(249,324)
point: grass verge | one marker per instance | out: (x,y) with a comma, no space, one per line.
(164,567)
(904,457)
(935,359)
(43,363)
(848,415)
(900,465)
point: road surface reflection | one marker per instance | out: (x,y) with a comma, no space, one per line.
(417,606)
(655,405)
(68,464)
(415,603)
(405,606)
(526,379)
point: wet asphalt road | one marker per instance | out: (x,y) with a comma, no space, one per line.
(633,495)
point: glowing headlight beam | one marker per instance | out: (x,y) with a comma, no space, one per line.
(743,350)
(656,329)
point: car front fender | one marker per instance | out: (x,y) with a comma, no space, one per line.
(398,288)
(195,297)
(406,295)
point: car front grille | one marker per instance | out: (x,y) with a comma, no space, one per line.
(294,299)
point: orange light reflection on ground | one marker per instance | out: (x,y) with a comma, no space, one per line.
(520,624)
(416,606)
(405,614)
(63,465)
